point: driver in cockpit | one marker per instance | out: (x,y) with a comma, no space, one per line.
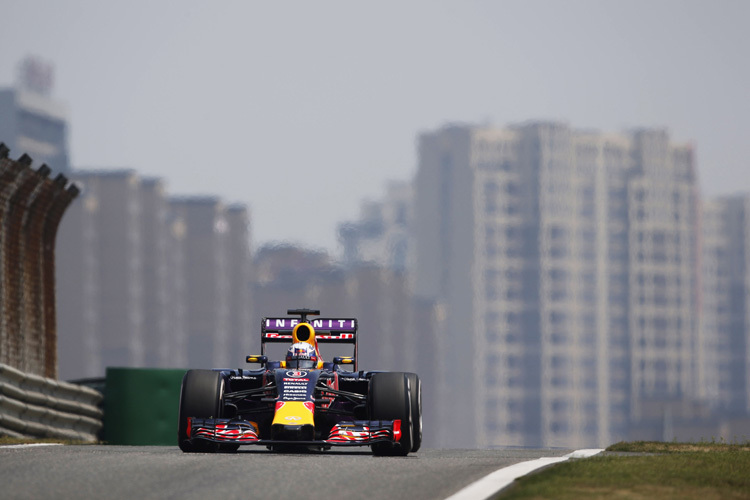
(301,356)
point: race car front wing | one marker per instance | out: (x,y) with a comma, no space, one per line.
(348,433)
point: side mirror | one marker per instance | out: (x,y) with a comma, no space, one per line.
(257,359)
(343,360)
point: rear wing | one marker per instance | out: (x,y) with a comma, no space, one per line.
(327,331)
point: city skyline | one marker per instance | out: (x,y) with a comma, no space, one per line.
(564,267)
(247,101)
(569,266)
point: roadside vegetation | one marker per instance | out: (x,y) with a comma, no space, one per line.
(642,469)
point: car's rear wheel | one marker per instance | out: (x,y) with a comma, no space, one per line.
(390,399)
(202,396)
(416,410)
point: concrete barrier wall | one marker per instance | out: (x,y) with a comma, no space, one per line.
(34,406)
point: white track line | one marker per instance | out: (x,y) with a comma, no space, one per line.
(30,445)
(495,481)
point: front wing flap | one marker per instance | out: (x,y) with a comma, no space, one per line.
(348,433)
(222,430)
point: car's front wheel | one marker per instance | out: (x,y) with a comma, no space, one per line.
(390,399)
(201,396)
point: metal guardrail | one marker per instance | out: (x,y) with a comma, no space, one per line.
(34,406)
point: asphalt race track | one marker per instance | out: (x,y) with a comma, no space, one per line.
(135,472)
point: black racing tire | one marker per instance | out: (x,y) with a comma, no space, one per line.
(415,385)
(390,399)
(202,396)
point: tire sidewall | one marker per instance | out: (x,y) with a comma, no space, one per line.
(416,410)
(201,395)
(389,398)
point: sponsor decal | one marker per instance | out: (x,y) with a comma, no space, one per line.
(295,389)
(293,418)
(296,374)
(281,323)
(332,324)
(277,336)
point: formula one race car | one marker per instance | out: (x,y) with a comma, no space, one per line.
(301,402)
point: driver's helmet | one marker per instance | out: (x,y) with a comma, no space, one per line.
(301,355)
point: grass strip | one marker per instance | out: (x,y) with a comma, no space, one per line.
(681,472)
(674,447)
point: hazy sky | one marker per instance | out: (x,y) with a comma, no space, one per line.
(302,109)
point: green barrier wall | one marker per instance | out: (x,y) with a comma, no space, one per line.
(140,406)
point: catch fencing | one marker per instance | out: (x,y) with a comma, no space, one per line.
(31,207)
(32,402)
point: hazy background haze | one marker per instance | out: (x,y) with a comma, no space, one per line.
(303,109)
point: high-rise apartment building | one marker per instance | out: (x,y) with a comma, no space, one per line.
(663,271)
(213,265)
(160,331)
(144,280)
(31,121)
(725,348)
(381,235)
(100,276)
(206,272)
(241,331)
(564,263)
